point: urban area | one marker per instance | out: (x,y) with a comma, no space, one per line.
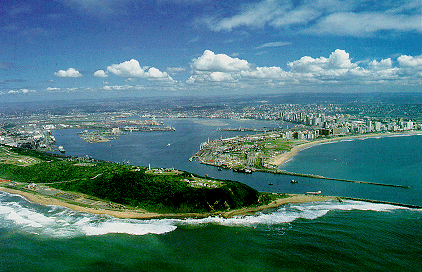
(305,122)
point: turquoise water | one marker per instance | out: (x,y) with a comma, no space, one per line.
(325,236)
(390,160)
(351,236)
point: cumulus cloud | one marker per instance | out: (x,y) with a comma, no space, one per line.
(380,65)
(410,62)
(338,68)
(132,69)
(100,73)
(71,72)
(338,62)
(218,63)
(266,73)
(331,17)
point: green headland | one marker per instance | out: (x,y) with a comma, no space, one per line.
(96,184)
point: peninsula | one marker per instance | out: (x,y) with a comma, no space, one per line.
(265,152)
(128,191)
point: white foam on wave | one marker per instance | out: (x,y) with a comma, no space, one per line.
(292,212)
(62,222)
(133,227)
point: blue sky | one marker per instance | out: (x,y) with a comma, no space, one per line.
(71,49)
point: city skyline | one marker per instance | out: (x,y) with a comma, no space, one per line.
(72,49)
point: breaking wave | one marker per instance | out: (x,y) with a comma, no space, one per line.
(56,221)
(18,213)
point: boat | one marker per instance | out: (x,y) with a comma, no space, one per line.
(270,184)
(61,149)
(293,181)
(313,193)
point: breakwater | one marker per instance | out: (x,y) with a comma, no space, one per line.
(383,202)
(283,172)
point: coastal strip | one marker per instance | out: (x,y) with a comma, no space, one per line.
(137,214)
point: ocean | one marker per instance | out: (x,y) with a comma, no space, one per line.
(323,236)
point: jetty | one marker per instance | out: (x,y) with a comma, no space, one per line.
(383,202)
(283,172)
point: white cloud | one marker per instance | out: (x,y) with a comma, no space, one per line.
(155,73)
(273,44)
(266,73)
(254,15)
(218,63)
(68,73)
(410,62)
(100,73)
(132,69)
(175,69)
(122,87)
(52,89)
(337,63)
(129,68)
(338,68)
(380,65)
(221,76)
(365,24)
(333,17)
(22,91)
(211,77)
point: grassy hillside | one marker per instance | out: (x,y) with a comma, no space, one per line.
(171,191)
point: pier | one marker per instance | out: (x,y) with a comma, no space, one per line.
(282,172)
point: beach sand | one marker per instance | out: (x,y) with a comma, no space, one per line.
(139,214)
(46,200)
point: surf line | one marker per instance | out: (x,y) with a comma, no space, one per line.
(383,202)
(283,172)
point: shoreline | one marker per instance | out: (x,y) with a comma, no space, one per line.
(127,214)
(281,159)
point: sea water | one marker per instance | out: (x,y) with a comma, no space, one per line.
(328,236)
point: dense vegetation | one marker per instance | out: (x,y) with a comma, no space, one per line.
(164,193)
(130,185)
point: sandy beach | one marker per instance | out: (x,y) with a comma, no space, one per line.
(279,160)
(135,214)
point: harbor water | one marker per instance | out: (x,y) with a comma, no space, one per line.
(323,236)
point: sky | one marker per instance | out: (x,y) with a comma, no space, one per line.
(77,49)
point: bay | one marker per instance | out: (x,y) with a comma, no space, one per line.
(329,236)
